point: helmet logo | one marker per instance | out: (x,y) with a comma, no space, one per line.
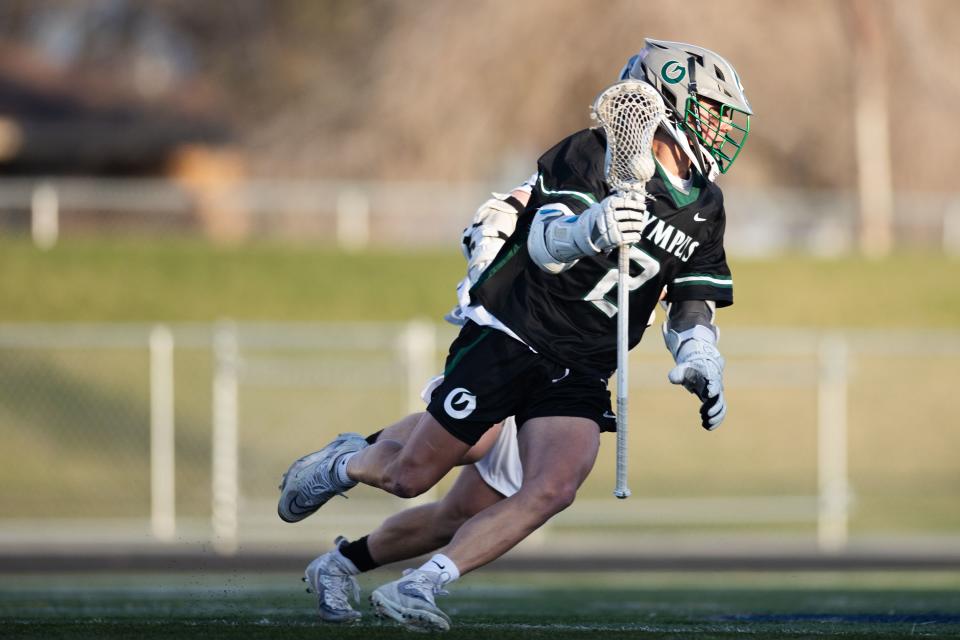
(672,72)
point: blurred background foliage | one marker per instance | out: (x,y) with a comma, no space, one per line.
(475,90)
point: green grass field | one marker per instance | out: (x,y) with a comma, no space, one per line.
(121,280)
(92,405)
(89,405)
(504,606)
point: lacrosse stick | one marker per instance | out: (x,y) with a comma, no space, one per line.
(629,112)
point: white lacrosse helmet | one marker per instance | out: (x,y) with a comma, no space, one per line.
(690,80)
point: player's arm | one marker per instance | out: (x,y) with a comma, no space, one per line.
(559,237)
(695,292)
(691,337)
(492,224)
(571,218)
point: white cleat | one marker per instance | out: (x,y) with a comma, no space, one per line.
(409,601)
(334,585)
(312,480)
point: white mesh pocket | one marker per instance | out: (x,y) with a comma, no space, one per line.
(629,112)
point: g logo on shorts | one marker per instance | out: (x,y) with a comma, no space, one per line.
(459,403)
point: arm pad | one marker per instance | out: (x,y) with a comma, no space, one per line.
(558,239)
(492,225)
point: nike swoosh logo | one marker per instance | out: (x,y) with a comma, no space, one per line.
(607,414)
(438,564)
(295,508)
(566,372)
(697,217)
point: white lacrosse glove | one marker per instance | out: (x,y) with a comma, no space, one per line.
(557,241)
(700,370)
(615,220)
(492,224)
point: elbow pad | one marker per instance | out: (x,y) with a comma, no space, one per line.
(558,240)
(492,225)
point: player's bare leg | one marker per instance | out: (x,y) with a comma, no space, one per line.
(401,430)
(407,470)
(423,529)
(557,456)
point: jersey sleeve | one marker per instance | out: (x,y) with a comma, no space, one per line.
(706,276)
(571,174)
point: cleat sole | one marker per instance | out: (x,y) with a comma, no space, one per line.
(422,621)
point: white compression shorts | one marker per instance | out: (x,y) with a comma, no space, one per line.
(500,468)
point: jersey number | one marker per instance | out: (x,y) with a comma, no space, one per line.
(600,295)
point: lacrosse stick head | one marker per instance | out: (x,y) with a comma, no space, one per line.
(629,112)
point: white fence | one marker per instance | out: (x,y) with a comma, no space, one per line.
(177,434)
(355,214)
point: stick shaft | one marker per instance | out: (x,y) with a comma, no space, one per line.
(623,349)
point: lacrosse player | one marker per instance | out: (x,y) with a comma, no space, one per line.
(494,472)
(540,341)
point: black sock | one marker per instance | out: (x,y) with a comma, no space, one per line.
(373,437)
(358,553)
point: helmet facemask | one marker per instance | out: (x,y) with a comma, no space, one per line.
(705,100)
(721,128)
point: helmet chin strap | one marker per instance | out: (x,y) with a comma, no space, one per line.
(700,160)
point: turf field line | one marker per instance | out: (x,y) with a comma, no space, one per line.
(873,618)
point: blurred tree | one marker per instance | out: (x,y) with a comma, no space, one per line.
(455,90)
